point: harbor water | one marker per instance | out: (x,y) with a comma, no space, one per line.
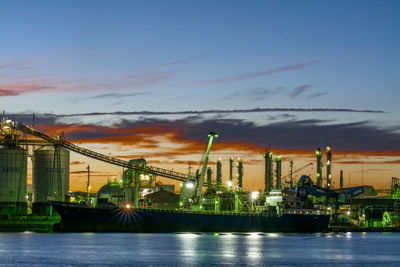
(191,249)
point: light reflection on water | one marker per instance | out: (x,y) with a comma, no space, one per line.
(187,249)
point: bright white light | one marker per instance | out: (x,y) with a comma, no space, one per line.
(128,206)
(348,213)
(145,191)
(254,195)
(188,235)
(229,183)
(273,235)
(254,236)
(189,185)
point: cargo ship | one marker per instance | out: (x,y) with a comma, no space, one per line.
(112,218)
(219,209)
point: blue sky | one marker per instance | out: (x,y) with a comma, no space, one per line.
(65,57)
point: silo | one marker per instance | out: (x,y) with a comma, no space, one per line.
(12,181)
(50,174)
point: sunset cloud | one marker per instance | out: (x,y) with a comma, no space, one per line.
(235,134)
(19,89)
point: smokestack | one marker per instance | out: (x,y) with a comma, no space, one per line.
(319,167)
(268,172)
(219,173)
(278,161)
(328,166)
(341,179)
(208,176)
(291,173)
(240,174)
(230,169)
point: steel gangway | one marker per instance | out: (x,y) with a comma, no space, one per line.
(59,141)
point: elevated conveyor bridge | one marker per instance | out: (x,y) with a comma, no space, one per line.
(9,127)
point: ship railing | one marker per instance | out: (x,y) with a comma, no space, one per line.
(210,212)
(305,211)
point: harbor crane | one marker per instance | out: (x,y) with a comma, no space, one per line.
(191,190)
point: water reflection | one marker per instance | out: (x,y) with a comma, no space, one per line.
(191,249)
(229,245)
(253,244)
(189,244)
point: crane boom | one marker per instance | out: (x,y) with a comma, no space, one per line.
(200,182)
(297,170)
(95,155)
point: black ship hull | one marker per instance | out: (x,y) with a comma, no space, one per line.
(76,218)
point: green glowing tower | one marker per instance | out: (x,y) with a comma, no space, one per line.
(268,172)
(319,166)
(278,161)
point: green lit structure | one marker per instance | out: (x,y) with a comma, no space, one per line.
(319,166)
(240,173)
(278,161)
(209,173)
(268,172)
(231,169)
(219,172)
(329,166)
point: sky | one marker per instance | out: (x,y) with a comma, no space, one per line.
(150,79)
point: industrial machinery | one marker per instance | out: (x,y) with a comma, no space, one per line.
(13,128)
(290,175)
(191,191)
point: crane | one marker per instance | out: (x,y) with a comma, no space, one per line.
(295,171)
(200,181)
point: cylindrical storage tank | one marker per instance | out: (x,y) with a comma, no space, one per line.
(13,175)
(50,174)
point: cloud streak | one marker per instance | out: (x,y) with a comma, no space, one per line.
(220,111)
(15,90)
(315,95)
(251,75)
(299,90)
(118,95)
